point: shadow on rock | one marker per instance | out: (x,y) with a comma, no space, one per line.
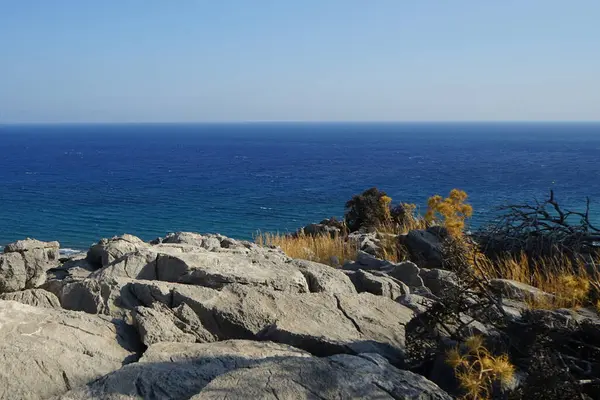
(246,369)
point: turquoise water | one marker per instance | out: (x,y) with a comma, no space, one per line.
(78,183)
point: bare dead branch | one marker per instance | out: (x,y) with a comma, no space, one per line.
(541,229)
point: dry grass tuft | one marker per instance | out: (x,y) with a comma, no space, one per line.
(391,250)
(477,370)
(322,248)
(568,281)
(406,218)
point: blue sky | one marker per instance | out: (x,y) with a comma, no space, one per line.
(316,60)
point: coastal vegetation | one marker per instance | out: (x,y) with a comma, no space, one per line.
(323,248)
(542,252)
(552,260)
(477,370)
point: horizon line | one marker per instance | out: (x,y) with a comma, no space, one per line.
(250,122)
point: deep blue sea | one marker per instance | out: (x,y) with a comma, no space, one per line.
(78,183)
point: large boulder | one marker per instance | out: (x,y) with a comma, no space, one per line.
(107,250)
(239,369)
(425,247)
(515,290)
(379,283)
(366,241)
(207,268)
(338,377)
(181,370)
(406,272)
(438,280)
(110,296)
(188,321)
(321,323)
(93,296)
(13,273)
(327,227)
(47,352)
(157,324)
(33,297)
(138,264)
(22,246)
(366,261)
(75,267)
(24,263)
(208,242)
(323,278)
(219,269)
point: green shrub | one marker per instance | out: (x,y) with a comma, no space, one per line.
(368,210)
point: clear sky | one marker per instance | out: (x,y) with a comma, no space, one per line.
(317,60)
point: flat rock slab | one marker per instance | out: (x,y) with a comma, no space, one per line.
(201,267)
(240,369)
(219,269)
(320,323)
(323,278)
(76,267)
(111,296)
(21,246)
(336,377)
(47,352)
(181,370)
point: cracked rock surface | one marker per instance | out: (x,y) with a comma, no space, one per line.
(202,317)
(46,352)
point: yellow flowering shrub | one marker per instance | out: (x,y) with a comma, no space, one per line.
(451,212)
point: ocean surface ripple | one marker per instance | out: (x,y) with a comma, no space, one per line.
(78,183)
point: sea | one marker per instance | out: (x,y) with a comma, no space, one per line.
(77,183)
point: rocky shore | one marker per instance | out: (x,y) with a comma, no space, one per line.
(193,316)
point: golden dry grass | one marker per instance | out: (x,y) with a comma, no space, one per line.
(389,231)
(410,224)
(320,248)
(390,250)
(569,282)
(477,370)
